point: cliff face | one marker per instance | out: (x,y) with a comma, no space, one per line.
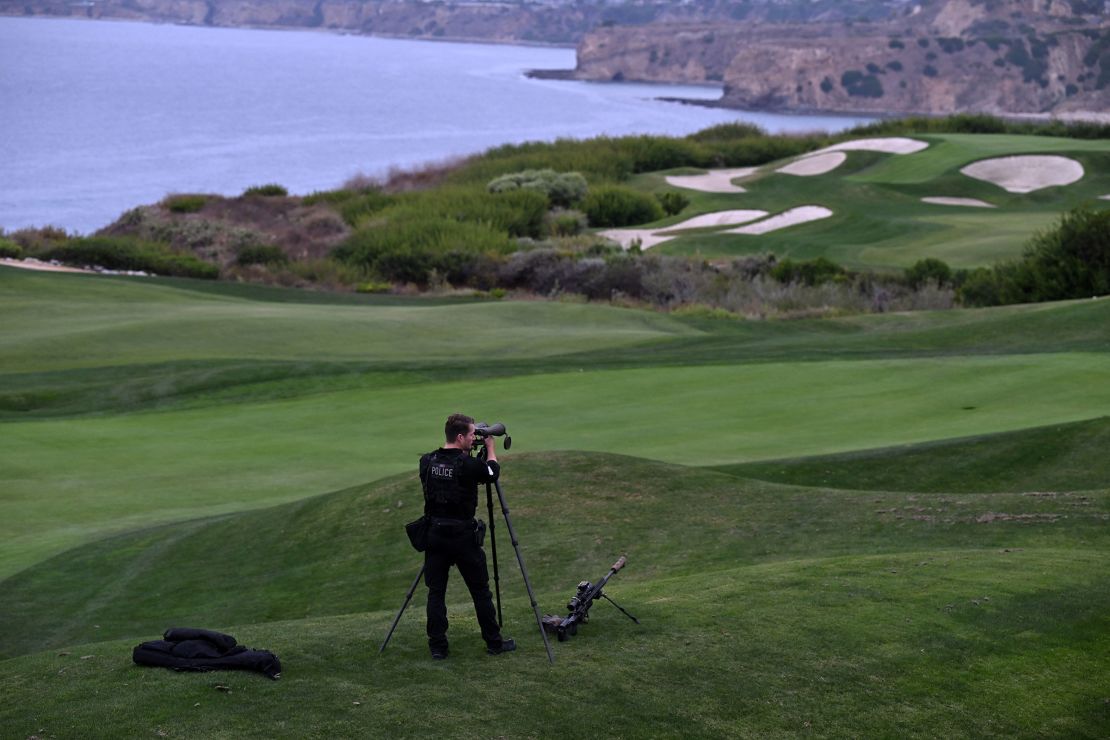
(944,57)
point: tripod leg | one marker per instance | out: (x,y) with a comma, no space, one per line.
(408,597)
(524,571)
(493,551)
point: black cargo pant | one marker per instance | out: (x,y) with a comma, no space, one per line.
(458,548)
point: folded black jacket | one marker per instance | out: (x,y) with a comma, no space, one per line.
(188,649)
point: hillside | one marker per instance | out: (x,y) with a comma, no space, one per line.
(952,56)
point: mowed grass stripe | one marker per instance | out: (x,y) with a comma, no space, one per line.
(83,323)
(69,481)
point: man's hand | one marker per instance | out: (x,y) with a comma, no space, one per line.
(491,447)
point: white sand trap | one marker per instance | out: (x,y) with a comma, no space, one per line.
(625,237)
(815,164)
(34,264)
(970,202)
(716,181)
(719,218)
(1026,173)
(793,217)
(1104,197)
(890,145)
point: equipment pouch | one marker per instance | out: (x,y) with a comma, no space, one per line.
(479,532)
(418,533)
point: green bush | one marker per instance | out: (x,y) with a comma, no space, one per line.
(10,250)
(929,270)
(615,205)
(812,272)
(270,189)
(565,223)
(185,203)
(562,189)
(409,249)
(261,254)
(860,85)
(672,202)
(125,253)
(518,213)
(1070,260)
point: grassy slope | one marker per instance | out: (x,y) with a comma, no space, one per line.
(766,610)
(72,479)
(1051,461)
(904,229)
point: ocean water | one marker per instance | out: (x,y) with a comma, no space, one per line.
(98,117)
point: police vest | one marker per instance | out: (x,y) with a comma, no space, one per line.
(443,487)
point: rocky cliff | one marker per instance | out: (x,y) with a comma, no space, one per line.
(956,56)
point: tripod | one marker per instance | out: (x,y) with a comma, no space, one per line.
(496,573)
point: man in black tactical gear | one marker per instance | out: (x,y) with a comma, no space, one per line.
(450,477)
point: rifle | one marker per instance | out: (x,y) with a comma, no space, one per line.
(579,606)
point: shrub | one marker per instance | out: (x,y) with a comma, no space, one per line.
(1070,260)
(620,206)
(185,203)
(261,254)
(929,70)
(896,44)
(565,223)
(860,85)
(562,189)
(926,271)
(672,202)
(409,250)
(812,272)
(826,85)
(125,253)
(894,65)
(270,189)
(10,250)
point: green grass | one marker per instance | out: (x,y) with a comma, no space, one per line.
(1048,461)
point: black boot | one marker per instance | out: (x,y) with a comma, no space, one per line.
(507,645)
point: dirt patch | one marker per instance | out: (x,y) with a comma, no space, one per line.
(995,516)
(715,181)
(969,202)
(792,217)
(1026,173)
(816,164)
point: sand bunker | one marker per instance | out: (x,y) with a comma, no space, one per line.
(1026,173)
(719,218)
(650,237)
(971,202)
(1104,197)
(890,145)
(34,264)
(626,237)
(716,181)
(792,217)
(816,164)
